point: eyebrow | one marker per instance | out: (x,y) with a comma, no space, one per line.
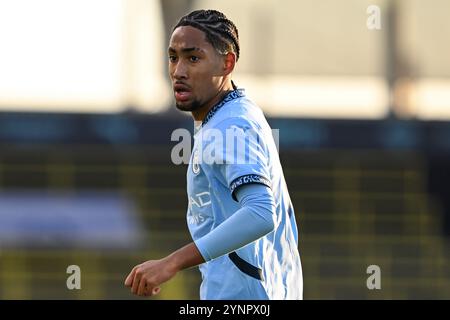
(187,50)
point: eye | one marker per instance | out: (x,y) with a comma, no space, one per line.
(194,58)
(172,58)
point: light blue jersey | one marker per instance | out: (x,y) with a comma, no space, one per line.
(270,267)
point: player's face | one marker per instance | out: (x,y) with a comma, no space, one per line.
(195,68)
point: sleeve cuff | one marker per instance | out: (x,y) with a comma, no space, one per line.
(248,179)
(201,246)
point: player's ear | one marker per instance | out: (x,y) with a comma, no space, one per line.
(229,63)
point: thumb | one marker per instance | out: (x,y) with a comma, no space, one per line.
(156,290)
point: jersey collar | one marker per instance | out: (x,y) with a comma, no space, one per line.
(237,93)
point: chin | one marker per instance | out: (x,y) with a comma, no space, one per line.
(183,106)
(188,106)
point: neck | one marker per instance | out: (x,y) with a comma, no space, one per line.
(201,113)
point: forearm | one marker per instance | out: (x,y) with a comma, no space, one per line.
(185,257)
(254,220)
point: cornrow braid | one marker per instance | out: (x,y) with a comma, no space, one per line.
(220,31)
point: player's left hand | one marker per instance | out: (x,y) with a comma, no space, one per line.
(145,279)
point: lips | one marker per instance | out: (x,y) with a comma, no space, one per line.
(182,95)
(182,92)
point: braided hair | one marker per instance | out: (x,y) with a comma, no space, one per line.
(220,31)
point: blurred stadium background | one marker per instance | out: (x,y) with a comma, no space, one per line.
(86,117)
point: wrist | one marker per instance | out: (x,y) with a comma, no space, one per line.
(173,262)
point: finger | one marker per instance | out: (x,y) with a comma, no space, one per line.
(129,279)
(136,280)
(141,289)
(149,291)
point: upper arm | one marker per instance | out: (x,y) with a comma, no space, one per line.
(241,154)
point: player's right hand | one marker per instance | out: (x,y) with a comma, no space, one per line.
(145,279)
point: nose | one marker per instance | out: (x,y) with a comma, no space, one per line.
(179,70)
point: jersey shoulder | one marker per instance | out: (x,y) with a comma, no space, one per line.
(241,112)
